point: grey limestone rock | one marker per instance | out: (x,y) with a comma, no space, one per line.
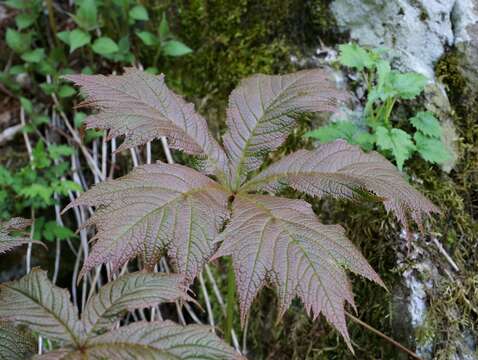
(418,31)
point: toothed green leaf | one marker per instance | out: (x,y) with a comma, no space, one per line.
(281,242)
(398,142)
(141,107)
(431,149)
(425,122)
(341,170)
(355,56)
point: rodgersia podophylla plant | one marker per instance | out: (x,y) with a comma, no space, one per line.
(227,206)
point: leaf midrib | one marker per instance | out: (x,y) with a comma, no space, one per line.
(259,121)
(275,176)
(74,337)
(165,205)
(202,146)
(296,242)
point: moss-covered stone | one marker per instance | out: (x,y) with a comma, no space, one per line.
(453,302)
(234,39)
(453,313)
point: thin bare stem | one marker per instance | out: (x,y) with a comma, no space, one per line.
(57,261)
(89,159)
(74,277)
(382,335)
(206,299)
(83,292)
(29,249)
(134,157)
(51,19)
(25,134)
(59,221)
(104,156)
(220,300)
(445,254)
(215,288)
(40,345)
(191,313)
(95,159)
(94,281)
(244,336)
(167,150)
(113,158)
(148,152)
(30,156)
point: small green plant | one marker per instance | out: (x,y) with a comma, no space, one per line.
(227,207)
(164,41)
(385,87)
(33,186)
(121,31)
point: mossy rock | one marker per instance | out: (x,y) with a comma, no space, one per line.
(235,39)
(452,301)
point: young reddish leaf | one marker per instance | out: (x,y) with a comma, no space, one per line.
(34,301)
(262,109)
(7,241)
(281,242)
(130,292)
(341,170)
(141,107)
(174,209)
(154,208)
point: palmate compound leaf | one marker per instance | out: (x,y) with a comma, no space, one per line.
(154,208)
(9,241)
(281,242)
(16,343)
(129,292)
(262,109)
(47,309)
(160,340)
(342,171)
(141,107)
